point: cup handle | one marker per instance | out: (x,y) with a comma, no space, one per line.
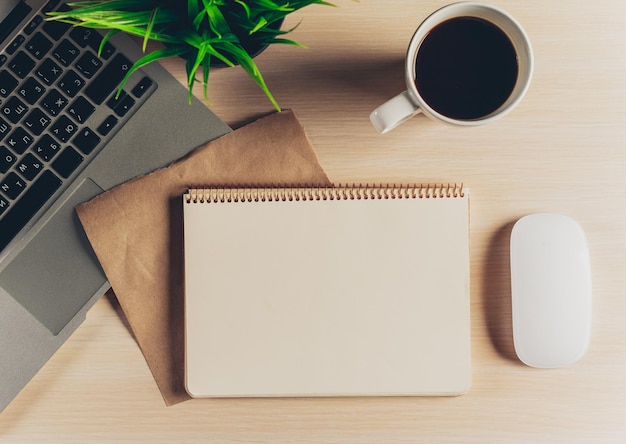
(393,112)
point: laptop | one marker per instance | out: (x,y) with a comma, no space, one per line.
(64,138)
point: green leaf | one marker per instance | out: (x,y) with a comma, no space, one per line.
(248,65)
(150,58)
(192,8)
(192,68)
(149,28)
(105,40)
(217,22)
(245,7)
(206,69)
(200,31)
(260,24)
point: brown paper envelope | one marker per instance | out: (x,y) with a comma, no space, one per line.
(136,229)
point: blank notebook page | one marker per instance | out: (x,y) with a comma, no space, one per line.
(328,297)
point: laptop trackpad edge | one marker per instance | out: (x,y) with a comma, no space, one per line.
(68,273)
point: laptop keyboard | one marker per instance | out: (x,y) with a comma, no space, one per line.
(58,106)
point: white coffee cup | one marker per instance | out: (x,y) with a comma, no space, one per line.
(411,102)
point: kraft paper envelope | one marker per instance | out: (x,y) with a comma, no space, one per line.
(136,229)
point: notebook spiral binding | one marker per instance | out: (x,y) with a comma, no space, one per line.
(335,192)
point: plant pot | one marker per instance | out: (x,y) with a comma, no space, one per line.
(250,44)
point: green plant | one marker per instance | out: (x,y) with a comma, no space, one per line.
(199,31)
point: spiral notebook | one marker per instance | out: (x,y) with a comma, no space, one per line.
(339,291)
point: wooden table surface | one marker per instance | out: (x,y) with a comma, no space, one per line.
(563,149)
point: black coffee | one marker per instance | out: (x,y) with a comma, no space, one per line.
(466,68)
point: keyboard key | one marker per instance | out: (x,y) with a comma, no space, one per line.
(55,29)
(50,5)
(109,79)
(12,16)
(66,53)
(33,24)
(14,109)
(47,148)
(49,72)
(106,126)
(29,167)
(19,140)
(54,102)
(15,44)
(114,101)
(21,64)
(90,38)
(86,38)
(122,104)
(31,91)
(71,83)
(37,121)
(7,158)
(12,185)
(4,128)
(86,140)
(81,110)
(38,46)
(142,87)
(4,205)
(63,129)
(106,52)
(3,59)
(67,162)
(33,199)
(7,83)
(88,64)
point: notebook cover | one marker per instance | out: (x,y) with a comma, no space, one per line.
(328,297)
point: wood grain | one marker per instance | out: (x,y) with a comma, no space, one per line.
(563,149)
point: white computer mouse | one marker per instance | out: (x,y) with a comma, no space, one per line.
(550,290)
